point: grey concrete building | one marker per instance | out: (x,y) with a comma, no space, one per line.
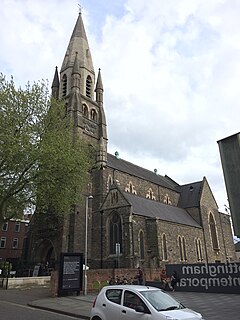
(149,218)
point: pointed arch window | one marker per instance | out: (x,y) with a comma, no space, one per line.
(182,248)
(150,194)
(213,232)
(64,85)
(115,232)
(141,245)
(164,247)
(198,246)
(109,182)
(85,111)
(93,115)
(130,188)
(88,86)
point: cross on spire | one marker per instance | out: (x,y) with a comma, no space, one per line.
(80,8)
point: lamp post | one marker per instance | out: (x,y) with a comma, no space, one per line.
(86,244)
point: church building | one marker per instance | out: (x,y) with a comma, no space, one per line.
(135,217)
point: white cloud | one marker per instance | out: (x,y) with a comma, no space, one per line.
(170,71)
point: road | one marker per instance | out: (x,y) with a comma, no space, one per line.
(13,305)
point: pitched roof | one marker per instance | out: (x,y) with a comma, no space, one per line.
(154,209)
(132,169)
(237,246)
(190,194)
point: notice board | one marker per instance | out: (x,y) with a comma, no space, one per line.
(70,273)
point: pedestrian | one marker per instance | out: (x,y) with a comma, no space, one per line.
(163,278)
(139,276)
(174,280)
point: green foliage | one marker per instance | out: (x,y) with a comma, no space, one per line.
(40,162)
(6,267)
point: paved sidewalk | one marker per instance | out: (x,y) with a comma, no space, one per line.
(213,306)
(75,306)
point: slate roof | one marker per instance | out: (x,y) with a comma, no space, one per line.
(154,209)
(132,169)
(237,246)
(190,194)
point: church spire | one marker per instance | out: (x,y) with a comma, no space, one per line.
(77,84)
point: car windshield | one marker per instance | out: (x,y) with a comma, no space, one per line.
(161,301)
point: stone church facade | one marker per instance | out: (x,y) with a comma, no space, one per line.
(136,217)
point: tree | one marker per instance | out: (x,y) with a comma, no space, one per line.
(40,162)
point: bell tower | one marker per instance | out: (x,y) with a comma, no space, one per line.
(83,98)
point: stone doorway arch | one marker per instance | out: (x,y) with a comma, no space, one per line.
(45,254)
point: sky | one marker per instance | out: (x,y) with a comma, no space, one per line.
(170,70)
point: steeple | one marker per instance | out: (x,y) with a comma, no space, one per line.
(77,84)
(78,43)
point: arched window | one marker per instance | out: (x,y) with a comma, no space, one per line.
(64,85)
(93,115)
(150,194)
(164,247)
(198,246)
(213,232)
(184,249)
(109,182)
(88,86)
(130,188)
(85,111)
(141,245)
(200,249)
(180,248)
(115,232)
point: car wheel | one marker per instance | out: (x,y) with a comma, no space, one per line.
(96,318)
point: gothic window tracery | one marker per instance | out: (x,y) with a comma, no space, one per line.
(150,194)
(130,188)
(88,86)
(114,197)
(213,232)
(167,199)
(115,232)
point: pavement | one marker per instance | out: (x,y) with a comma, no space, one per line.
(75,306)
(213,306)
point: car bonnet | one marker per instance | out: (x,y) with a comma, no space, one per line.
(182,314)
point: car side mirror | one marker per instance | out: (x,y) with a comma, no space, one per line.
(139,309)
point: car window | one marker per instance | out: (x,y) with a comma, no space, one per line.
(161,301)
(132,300)
(114,295)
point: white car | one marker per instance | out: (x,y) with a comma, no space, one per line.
(129,302)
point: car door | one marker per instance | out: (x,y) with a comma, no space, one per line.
(112,305)
(130,301)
